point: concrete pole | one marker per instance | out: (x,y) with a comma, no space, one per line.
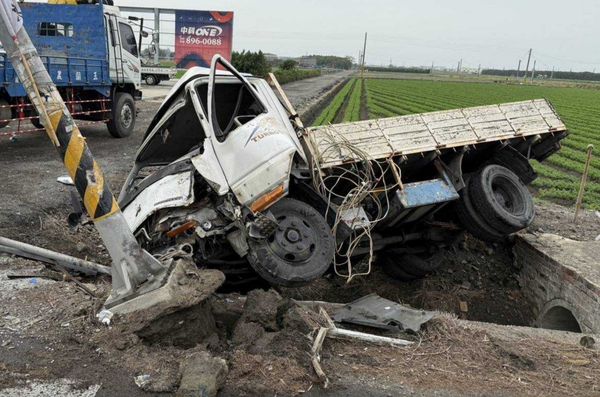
(157,36)
(527,67)
(533,71)
(132,266)
(364,53)
(518,69)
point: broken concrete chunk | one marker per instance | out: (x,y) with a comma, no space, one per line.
(202,375)
(261,307)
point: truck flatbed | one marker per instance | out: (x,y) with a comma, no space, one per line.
(426,132)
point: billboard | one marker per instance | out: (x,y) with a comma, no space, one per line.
(199,35)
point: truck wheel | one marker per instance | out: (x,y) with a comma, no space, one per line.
(299,251)
(502,199)
(472,221)
(5,113)
(123,115)
(151,80)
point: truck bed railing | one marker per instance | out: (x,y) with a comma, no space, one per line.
(335,145)
(24,112)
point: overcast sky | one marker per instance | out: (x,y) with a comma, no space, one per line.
(493,33)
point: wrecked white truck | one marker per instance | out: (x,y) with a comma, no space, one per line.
(228,176)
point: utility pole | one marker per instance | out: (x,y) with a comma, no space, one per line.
(552,74)
(533,71)
(459,66)
(527,67)
(431,70)
(362,69)
(134,271)
(518,69)
(479,70)
(156,35)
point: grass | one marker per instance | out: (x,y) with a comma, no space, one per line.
(578,107)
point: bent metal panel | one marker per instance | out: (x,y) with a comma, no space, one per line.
(200,35)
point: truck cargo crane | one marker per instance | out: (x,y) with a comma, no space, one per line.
(135,273)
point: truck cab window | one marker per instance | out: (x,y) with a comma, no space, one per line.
(56,29)
(128,39)
(235,105)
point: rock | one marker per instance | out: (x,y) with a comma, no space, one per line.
(202,375)
(300,319)
(81,247)
(261,307)
(587,341)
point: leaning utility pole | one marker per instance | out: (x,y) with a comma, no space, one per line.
(362,68)
(518,69)
(527,67)
(134,271)
(533,71)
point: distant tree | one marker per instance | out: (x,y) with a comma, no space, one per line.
(290,64)
(254,63)
(331,61)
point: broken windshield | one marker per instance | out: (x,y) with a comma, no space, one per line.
(175,136)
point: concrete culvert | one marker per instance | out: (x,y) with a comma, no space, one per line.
(561,319)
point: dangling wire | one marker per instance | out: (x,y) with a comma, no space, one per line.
(363,181)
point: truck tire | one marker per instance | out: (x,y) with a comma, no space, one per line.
(472,221)
(151,80)
(502,199)
(299,251)
(123,115)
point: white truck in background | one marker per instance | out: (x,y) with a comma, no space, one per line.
(153,75)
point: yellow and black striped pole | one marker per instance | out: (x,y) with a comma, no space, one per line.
(132,266)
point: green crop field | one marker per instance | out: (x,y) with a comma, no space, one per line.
(559,175)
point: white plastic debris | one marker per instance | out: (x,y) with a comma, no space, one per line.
(142,380)
(105,316)
(65,180)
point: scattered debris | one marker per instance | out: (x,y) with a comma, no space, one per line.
(54,258)
(142,381)
(375,311)
(65,180)
(105,316)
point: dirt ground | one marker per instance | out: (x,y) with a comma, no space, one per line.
(51,344)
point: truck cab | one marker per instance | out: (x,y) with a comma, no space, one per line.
(91,54)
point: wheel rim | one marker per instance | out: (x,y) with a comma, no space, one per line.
(294,240)
(150,80)
(507,196)
(126,116)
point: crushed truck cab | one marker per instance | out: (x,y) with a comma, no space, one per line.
(227,175)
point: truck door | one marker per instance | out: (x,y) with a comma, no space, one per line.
(250,139)
(130,56)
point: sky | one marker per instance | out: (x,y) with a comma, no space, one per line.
(563,34)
